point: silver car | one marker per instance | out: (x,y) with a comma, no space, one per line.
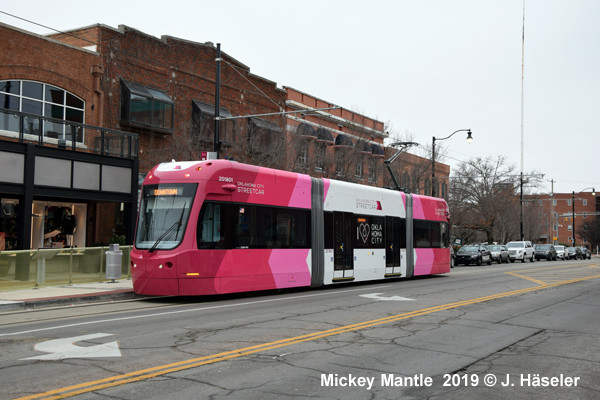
(561,252)
(499,253)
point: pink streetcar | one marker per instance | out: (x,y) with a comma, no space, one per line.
(213,227)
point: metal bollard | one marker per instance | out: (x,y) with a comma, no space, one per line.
(113,262)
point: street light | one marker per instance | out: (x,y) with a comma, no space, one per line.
(573,209)
(469,140)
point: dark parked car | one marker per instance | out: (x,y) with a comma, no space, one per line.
(586,253)
(473,254)
(499,253)
(574,253)
(546,251)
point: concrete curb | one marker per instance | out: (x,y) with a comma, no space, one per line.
(27,304)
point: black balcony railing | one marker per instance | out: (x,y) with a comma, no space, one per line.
(45,131)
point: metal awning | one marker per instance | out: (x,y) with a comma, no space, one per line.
(147,92)
(365,148)
(264,124)
(210,109)
(324,136)
(343,141)
(377,151)
(306,131)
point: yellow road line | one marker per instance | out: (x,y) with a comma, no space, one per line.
(552,276)
(153,372)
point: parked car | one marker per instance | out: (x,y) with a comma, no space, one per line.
(520,250)
(586,253)
(546,251)
(499,253)
(473,254)
(561,252)
(574,253)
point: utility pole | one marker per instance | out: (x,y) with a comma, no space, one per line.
(217,145)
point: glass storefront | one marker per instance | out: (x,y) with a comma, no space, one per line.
(58,225)
(9,215)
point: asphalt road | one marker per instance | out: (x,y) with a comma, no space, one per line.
(502,331)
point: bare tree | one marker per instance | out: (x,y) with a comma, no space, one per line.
(483,197)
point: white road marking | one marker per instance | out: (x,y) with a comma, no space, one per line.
(378,296)
(60,349)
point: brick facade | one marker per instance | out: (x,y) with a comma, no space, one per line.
(555,213)
(185,71)
(28,56)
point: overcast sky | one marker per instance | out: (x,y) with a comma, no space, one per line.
(427,67)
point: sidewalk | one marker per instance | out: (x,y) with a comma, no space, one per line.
(65,295)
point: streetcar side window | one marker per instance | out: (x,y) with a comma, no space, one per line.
(430,234)
(263,227)
(212,226)
(248,226)
(245,227)
(444,236)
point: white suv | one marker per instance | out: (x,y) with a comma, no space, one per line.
(520,251)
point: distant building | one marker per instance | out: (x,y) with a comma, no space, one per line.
(555,213)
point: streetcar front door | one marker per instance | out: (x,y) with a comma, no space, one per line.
(343,250)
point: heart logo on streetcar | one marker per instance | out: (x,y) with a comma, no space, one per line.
(364,231)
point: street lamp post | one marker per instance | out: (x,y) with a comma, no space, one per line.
(469,140)
(573,209)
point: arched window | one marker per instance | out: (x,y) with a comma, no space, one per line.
(44,100)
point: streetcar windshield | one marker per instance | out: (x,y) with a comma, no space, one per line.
(163,215)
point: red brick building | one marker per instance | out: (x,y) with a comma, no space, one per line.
(555,213)
(54,165)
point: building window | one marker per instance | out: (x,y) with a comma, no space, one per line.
(203,117)
(554,202)
(320,157)
(416,185)
(585,202)
(264,135)
(585,214)
(570,227)
(358,170)
(427,187)
(146,107)
(569,202)
(444,190)
(372,170)
(44,100)
(303,157)
(339,163)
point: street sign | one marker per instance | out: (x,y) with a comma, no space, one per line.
(208,155)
